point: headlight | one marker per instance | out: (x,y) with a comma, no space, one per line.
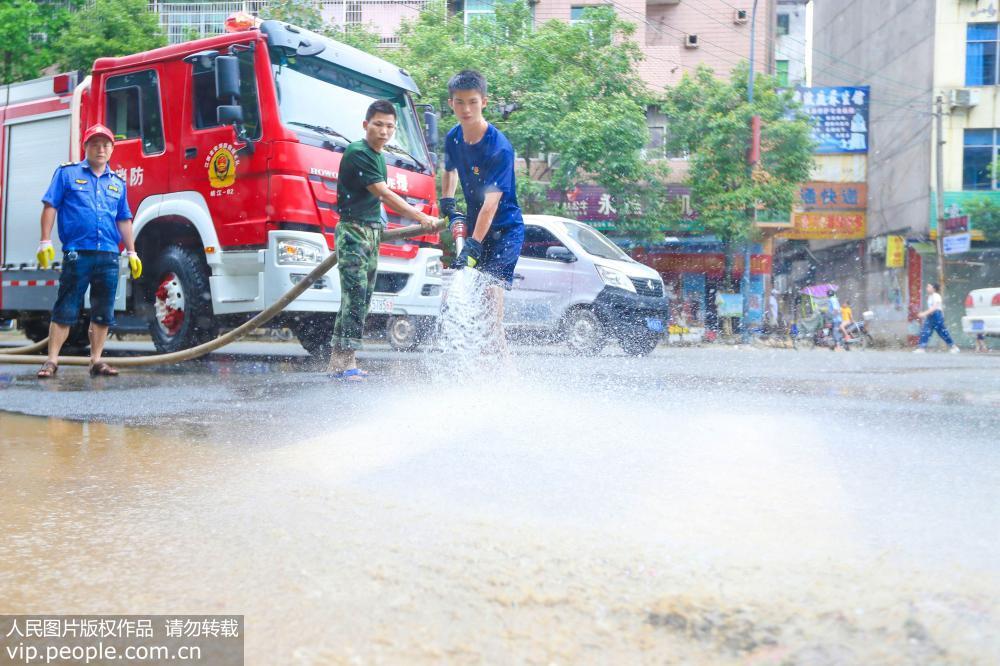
(615,278)
(434,267)
(298,252)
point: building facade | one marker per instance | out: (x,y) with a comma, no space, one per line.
(792,37)
(911,52)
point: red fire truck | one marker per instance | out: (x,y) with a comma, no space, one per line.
(230,147)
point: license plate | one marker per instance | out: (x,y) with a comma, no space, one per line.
(977,325)
(381,305)
(654,324)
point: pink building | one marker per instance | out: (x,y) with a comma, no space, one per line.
(679,35)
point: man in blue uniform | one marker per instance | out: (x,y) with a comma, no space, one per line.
(94,218)
(481,157)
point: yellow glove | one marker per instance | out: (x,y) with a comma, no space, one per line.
(135,265)
(46,253)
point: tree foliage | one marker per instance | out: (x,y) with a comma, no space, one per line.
(710,118)
(984,215)
(108,28)
(27,32)
(567,91)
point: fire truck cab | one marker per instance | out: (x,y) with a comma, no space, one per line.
(230,148)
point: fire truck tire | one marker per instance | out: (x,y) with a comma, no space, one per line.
(78,341)
(315,333)
(182,301)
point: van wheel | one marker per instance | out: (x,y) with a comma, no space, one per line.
(638,343)
(584,332)
(182,302)
(315,334)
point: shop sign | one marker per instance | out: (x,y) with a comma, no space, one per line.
(826,226)
(833,196)
(895,252)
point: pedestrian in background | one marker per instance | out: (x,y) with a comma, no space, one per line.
(361,190)
(836,319)
(933,318)
(94,218)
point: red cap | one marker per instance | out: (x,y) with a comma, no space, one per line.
(98,130)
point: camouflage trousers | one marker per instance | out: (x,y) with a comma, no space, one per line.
(357,261)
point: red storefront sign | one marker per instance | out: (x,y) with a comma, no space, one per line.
(826,226)
(709,264)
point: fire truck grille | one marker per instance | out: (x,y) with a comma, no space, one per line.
(391,283)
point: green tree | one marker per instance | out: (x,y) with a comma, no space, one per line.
(360,37)
(710,118)
(27,31)
(984,215)
(301,13)
(108,28)
(557,89)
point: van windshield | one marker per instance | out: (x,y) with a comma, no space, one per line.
(594,242)
(315,95)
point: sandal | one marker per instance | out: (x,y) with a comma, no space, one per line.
(48,370)
(352,375)
(102,369)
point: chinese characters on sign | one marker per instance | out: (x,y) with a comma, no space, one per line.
(593,203)
(895,252)
(826,226)
(832,196)
(839,117)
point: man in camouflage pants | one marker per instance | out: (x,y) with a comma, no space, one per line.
(361,190)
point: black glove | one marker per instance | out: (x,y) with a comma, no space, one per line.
(447,206)
(448,210)
(469,256)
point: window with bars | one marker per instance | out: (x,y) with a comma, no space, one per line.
(352,13)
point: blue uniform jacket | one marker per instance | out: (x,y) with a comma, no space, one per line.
(89,207)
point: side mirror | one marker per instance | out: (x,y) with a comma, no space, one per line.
(227,78)
(431,129)
(560,253)
(229,114)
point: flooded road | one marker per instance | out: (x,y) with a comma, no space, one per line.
(707,506)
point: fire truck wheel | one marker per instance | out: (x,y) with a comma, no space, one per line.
(314,333)
(182,301)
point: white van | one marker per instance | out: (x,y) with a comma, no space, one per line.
(573,284)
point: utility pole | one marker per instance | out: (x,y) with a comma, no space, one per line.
(939,117)
(752,157)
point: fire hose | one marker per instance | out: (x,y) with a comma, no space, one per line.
(21,355)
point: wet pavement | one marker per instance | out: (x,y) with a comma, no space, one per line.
(712,505)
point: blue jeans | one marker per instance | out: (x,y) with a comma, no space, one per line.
(82,269)
(935,322)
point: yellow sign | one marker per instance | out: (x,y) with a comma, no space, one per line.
(826,226)
(221,165)
(895,252)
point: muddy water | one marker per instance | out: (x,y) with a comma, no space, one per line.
(556,524)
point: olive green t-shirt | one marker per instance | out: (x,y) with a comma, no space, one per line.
(360,167)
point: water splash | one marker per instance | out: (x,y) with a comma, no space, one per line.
(468,335)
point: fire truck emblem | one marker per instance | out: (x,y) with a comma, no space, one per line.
(221,165)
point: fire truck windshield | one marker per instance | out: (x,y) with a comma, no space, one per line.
(317,96)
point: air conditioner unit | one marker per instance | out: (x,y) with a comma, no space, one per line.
(877,245)
(690,41)
(740,16)
(963,98)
